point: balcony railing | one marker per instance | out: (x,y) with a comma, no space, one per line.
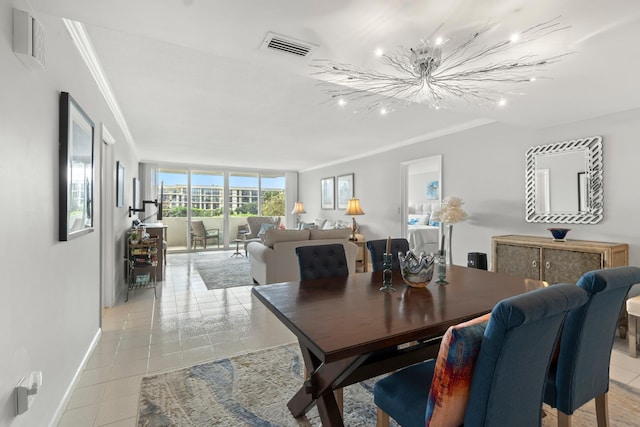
(178,230)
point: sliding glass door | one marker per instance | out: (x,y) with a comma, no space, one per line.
(221,200)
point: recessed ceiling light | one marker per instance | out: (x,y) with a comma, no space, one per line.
(515,37)
(383,111)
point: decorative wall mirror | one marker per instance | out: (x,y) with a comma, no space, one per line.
(76,170)
(564,182)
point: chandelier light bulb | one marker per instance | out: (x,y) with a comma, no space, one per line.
(342,102)
(379,52)
(439,41)
(532,79)
(383,111)
(502,102)
(515,37)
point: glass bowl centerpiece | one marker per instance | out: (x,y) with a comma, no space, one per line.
(417,271)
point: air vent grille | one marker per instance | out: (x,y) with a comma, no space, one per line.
(288,45)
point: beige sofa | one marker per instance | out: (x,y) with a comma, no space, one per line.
(275,260)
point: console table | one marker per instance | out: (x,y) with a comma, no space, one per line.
(554,262)
(543,258)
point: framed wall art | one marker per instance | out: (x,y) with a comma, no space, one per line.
(345,190)
(327,196)
(76,169)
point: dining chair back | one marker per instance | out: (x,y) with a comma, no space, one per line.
(379,247)
(320,261)
(581,372)
(510,369)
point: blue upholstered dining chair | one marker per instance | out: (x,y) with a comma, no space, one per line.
(581,372)
(321,261)
(510,369)
(378,247)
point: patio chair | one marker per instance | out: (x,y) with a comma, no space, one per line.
(201,234)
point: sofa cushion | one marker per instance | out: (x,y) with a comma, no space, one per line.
(330,234)
(272,237)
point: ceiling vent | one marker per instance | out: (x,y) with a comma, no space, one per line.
(288,45)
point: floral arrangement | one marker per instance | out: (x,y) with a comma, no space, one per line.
(451,211)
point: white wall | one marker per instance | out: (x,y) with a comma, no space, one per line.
(50,290)
(485,167)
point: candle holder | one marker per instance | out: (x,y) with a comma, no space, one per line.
(441,263)
(387,262)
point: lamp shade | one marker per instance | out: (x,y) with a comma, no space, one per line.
(353,207)
(298,208)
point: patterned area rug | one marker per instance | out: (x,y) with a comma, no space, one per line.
(220,270)
(253,390)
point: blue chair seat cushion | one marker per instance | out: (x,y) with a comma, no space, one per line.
(403,394)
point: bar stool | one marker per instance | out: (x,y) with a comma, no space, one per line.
(633,310)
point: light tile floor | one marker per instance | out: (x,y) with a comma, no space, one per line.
(186,325)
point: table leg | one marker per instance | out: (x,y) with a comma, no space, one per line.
(317,388)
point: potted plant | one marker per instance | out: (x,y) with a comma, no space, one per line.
(133,238)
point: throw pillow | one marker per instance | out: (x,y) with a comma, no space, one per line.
(451,382)
(264,227)
(319,222)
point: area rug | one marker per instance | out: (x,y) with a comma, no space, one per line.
(220,270)
(253,390)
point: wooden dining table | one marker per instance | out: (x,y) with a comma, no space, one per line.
(349,331)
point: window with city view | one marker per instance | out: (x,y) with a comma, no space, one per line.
(200,195)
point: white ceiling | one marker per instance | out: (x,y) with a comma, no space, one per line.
(195,87)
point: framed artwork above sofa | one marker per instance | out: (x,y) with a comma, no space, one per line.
(327,193)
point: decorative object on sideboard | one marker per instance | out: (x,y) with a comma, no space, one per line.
(450,213)
(353,209)
(439,70)
(417,271)
(298,209)
(559,234)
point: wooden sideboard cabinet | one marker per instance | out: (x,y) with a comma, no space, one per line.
(542,258)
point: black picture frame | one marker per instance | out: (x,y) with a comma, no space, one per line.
(76,170)
(119,184)
(327,193)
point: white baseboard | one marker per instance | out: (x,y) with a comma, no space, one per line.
(67,395)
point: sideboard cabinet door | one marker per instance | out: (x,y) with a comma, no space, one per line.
(560,266)
(521,261)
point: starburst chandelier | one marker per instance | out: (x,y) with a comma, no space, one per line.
(438,71)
